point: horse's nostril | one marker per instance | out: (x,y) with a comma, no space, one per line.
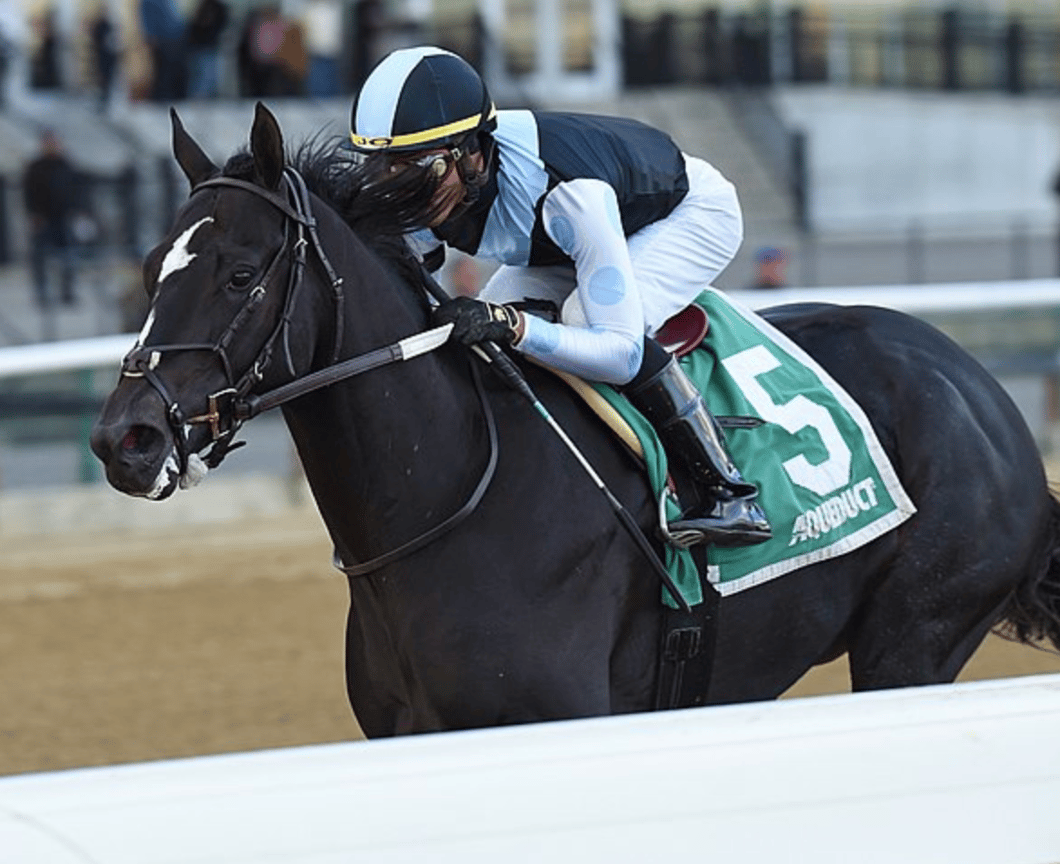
(140,439)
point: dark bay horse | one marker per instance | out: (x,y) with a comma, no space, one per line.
(538,605)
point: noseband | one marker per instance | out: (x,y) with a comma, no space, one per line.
(223,415)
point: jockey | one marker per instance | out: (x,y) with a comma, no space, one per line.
(603,216)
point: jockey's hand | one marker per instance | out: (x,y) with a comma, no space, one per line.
(478,321)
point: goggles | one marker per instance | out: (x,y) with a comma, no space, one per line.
(436,164)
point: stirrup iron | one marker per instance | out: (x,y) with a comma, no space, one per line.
(680,538)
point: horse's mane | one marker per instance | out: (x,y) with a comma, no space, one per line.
(380,213)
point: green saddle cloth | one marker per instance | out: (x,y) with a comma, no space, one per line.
(825,483)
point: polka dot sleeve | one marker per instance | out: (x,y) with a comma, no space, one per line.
(601,336)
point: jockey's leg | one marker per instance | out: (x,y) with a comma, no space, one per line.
(676,258)
(665,395)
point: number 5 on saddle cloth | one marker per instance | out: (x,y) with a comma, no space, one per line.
(824,480)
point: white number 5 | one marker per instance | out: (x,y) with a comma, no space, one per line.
(793,415)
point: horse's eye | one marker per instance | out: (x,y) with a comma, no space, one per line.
(241,279)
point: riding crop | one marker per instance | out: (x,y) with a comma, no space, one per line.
(500,361)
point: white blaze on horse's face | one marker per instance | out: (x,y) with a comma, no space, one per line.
(147,326)
(177,258)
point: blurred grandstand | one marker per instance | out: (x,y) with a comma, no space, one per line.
(879,143)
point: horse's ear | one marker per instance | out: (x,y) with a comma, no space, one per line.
(266,143)
(195,164)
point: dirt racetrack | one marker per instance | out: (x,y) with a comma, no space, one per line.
(120,647)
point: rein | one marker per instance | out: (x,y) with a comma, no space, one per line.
(235,404)
(444,527)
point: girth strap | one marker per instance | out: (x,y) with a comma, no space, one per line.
(688,641)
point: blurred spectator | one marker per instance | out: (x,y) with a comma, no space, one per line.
(322,21)
(246,67)
(132,299)
(281,50)
(770,268)
(44,63)
(13,39)
(272,55)
(205,30)
(164,33)
(6,50)
(750,47)
(49,186)
(103,39)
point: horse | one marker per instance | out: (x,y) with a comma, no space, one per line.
(489,580)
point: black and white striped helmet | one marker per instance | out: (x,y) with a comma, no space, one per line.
(419,99)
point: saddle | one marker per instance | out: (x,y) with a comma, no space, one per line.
(680,335)
(683,333)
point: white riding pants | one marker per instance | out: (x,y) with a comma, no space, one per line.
(673,259)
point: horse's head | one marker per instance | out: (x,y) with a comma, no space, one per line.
(222,286)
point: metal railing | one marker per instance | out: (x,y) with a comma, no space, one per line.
(948,49)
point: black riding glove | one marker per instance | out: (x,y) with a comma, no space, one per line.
(478,321)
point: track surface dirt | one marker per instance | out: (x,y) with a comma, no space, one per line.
(135,646)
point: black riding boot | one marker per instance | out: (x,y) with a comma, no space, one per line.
(676,410)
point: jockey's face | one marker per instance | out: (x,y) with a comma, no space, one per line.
(440,164)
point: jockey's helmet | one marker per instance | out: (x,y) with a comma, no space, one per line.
(419,99)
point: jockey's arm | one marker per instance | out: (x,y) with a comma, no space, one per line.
(602,334)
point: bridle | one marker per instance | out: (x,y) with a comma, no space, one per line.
(233,405)
(223,414)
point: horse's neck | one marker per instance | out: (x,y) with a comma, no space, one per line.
(395,450)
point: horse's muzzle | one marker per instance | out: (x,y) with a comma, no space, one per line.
(138,456)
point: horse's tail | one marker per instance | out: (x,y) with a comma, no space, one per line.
(1033,614)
